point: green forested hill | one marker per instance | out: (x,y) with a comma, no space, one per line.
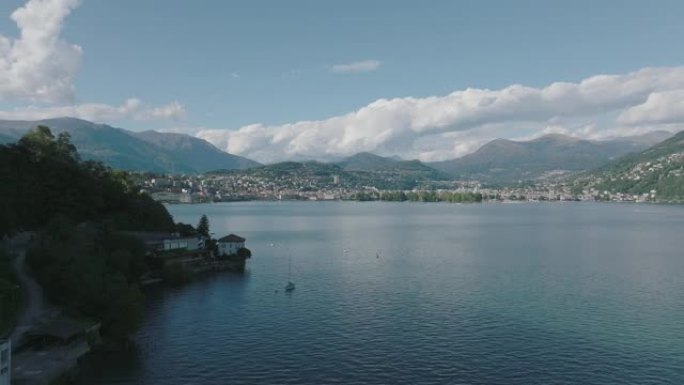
(365,161)
(76,209)
(659,168)
(43,177)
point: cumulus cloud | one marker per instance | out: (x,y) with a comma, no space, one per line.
(357,66)
(442,127)
(132,109)
(39,65)
(660,107)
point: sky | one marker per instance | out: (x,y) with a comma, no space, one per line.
(279,80)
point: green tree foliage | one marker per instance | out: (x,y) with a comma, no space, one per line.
(203,226)
(393,196)
(42,177)
(10,293)
(41,144)
(431,196)
(244,252)
(362,196)
(185,230)
(81,258)
(92,271)
(457,197)
(212,245)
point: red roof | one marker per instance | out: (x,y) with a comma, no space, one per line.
(232,238)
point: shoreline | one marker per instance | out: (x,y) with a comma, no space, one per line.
(57,361)
(507,201)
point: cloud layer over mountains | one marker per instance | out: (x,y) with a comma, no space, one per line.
(38,69)
(443,127)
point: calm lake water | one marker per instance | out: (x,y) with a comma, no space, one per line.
(410,293)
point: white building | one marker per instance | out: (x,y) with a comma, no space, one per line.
(183,243)
(230,244)
(5,362)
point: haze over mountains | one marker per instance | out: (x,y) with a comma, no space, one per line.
(499,161)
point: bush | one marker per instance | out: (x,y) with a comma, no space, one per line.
(175,274)
(244,253)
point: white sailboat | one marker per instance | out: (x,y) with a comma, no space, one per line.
(290,285)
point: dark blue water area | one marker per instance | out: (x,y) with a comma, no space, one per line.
(410,293)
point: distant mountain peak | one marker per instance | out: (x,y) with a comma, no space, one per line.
(506,161)
(555,137)
(68,119)
(365,161)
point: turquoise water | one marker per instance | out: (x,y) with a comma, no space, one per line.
(410,293)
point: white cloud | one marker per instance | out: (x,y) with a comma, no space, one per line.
(133,109)
(358,66)
(39,65)
(660,107)
(441,127)
(172,111)
(181,130)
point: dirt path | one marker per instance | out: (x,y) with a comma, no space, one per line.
(34,300)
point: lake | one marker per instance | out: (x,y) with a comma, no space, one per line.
(413,293)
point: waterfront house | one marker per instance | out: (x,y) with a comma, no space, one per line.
(5,362)
(160,241)
(230,244)
(189,243)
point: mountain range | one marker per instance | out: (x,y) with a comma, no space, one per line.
(507,161)
(500,161)
(139,151)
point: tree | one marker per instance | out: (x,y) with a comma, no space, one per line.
(185,230)
(244,252)
(203,226)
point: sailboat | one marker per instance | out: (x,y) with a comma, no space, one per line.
(290,285)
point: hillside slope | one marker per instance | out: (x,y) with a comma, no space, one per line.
(127,150)
(195,153)
(507,161)
(658,169)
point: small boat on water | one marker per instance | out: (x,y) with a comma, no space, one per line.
(289,287)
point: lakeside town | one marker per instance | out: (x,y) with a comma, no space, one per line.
(239,187)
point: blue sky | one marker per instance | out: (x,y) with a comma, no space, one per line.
(216,68)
